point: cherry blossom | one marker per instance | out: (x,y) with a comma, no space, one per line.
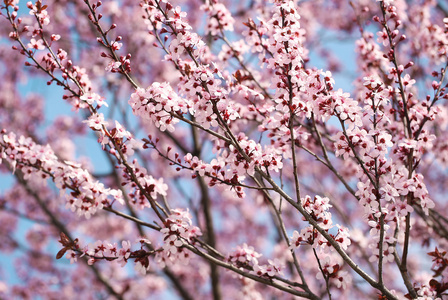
(224,150)
(38,45)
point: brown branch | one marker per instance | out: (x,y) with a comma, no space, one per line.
(60,226)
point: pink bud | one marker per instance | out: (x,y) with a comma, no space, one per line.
(435,85)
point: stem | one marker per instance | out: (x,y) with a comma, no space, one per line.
(131,218)
(323,274)
(406,278)
(210,234)
(409,134)
(249,275)
(327,162)
(282,227)
(380,251)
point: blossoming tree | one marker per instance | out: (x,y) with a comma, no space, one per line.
(227,164)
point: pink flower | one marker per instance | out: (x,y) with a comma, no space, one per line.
(96,122)
(93,99)
(343,280)
(124,253)
(383,37)
(38,45)
(113,66)
(72,256)
(140,268)
(244,255)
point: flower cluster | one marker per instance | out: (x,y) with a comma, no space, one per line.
(199,81)
(332,270)
(39,11)
(104,250)
(93,99)
(209,97)
(317,208)
(330,263)
(39,163)
(286,38)
(245,257)
(159,104)
(178,231)
(231,167)
(141,185)
(271,269)
(219,17)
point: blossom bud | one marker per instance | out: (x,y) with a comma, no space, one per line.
(394,33)
(409,64)
(435,85)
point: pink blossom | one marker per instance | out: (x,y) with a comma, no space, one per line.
(236,112)
(37,45)
(96,122)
